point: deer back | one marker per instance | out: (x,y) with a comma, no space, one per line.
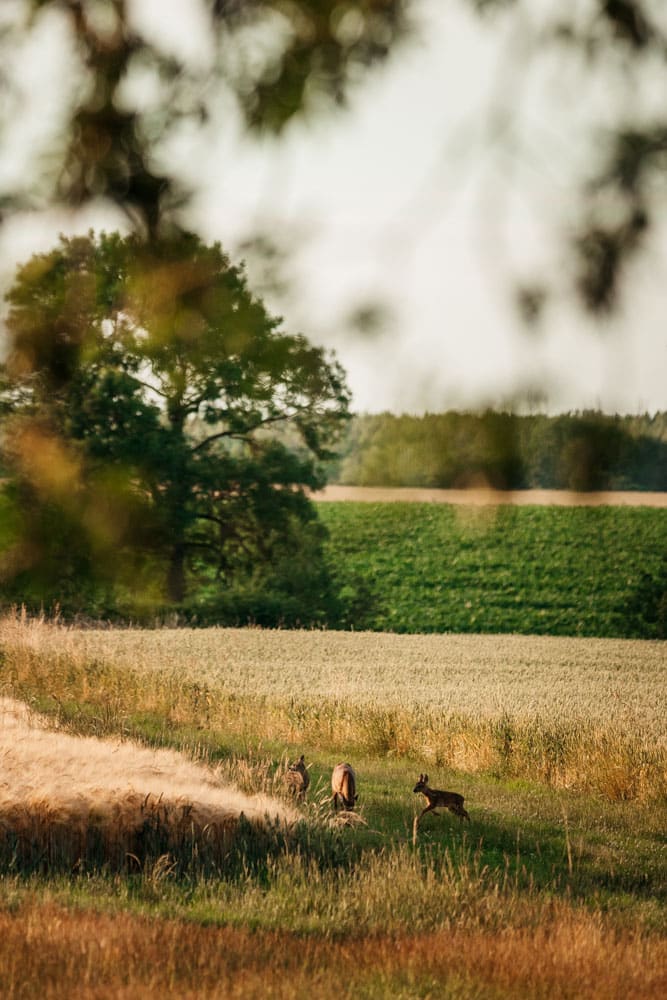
(437,797)
(343,783)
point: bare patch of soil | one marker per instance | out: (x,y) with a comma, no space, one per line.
(489,497)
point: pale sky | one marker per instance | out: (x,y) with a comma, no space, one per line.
(409,200)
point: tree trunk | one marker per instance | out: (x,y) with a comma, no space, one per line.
(176,574)
(177,497)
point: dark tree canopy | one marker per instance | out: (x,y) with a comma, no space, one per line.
(149,375)
(153,412)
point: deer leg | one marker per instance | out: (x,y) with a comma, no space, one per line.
(459,811)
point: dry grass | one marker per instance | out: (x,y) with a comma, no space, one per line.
(610,681)
(492,498)
(573,713)
(68,800)
(446,919)
(48,951)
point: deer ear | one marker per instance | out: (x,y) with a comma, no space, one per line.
(425,778)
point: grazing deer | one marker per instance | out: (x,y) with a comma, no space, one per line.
(448,800)
(344,786)
(298,779)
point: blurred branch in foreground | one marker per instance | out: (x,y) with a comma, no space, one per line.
(126,91)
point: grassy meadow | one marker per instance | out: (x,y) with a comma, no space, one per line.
(539,570)
(556,888)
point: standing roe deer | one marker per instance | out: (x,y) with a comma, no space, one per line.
(344,786)
(449,800)
(298,779)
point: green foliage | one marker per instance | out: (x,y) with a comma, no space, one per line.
(542,570)
(143,402)
(291,589)
(581,451)
(647,606)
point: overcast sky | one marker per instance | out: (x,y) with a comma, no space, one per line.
(449,179)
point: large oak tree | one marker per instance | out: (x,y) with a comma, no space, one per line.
(151,399)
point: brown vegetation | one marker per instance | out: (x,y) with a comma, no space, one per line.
(50,951)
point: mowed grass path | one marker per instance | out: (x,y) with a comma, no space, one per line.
(557,887)
(428,567)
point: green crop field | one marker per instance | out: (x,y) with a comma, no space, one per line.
(419,567)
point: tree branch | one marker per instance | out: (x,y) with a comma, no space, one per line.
(147,385)
(192,544)
(241,435)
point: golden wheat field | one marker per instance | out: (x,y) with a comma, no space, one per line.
(607,681)
(129,870)
(581,713)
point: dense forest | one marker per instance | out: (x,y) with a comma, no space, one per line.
(575,451)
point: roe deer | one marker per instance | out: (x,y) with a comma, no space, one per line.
(449,800)
(298,779)
(344,786)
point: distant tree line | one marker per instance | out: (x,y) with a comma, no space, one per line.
(586,450)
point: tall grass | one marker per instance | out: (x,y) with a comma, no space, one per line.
(570,713)
(133,870)
(49,951)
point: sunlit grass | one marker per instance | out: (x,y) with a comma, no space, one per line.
(573,713)
(557,887)
(51,951)
(73,803)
